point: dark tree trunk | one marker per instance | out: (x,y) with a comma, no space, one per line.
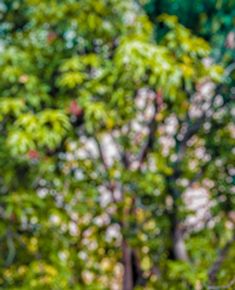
(128,283)
(133,274)
(178,247)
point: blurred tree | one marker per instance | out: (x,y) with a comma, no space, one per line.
(106,137)
(213,20)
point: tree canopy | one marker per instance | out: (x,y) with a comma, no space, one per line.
(117,145)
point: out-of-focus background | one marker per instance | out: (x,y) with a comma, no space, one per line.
(117,144)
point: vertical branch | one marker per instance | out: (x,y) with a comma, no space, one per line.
(128,281)
(152,126)
(106,168)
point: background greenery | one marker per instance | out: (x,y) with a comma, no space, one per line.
(116,117)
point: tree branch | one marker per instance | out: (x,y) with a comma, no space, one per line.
(148,145)
(196,126)
(106,168)
(215,268)
(229,69)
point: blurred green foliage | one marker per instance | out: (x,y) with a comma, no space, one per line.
(212,19)
(75,74)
